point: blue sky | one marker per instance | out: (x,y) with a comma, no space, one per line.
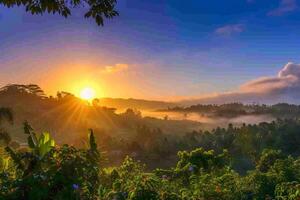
(171,48)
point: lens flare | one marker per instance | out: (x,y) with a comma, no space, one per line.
(87,93)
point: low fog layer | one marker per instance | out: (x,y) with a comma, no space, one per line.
(210,122)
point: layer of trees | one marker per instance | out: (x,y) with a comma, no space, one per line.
(238,109)
(46,171)
(245,143)
(153,141)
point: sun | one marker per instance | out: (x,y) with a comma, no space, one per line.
(87,93)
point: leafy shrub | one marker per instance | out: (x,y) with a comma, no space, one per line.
(49,172)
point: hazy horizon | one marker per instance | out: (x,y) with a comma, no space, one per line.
(160,51)
(149,99)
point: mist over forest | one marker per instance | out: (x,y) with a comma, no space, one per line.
(65,114)
(149,100)
(242,141)
(125,128)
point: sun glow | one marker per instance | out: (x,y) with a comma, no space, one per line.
(87,93)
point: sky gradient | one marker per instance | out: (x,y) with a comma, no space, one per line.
(155,49)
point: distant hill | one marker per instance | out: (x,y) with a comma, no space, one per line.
(232,110)
(140,104)
(68,118)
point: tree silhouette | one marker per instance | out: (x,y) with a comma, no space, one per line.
(31,89)
(5,114)
(96,9)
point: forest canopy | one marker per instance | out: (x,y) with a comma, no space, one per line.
(47,171)
(129,156)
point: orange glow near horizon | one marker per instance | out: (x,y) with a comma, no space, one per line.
(73,76)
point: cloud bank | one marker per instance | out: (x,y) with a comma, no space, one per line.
(285,87)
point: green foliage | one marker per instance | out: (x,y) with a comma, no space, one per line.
(288,191)
(96,9)
(129,181)
(267,159)
(64,173)
(199,159)
(45,171)
(247,142)
(69,173)
(42,145)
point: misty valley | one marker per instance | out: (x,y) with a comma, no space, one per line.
(149,100)
(233,143)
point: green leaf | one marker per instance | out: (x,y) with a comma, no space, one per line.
(14,157)
(45,144)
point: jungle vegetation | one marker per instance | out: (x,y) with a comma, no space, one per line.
(47,171)
(251,161)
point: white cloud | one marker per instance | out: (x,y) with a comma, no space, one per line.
(285,6)
(230,29)
(115,68)
(285,87)
(287,77)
